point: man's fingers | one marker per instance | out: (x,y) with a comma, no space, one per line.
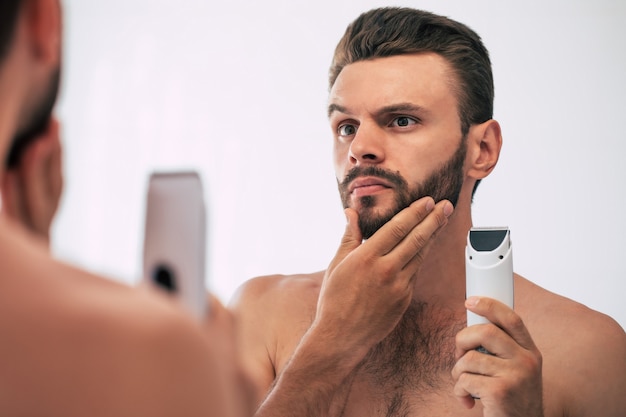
(468,387)
(488,336)
(415,246)
(475,362)
(408,254)
(399,227)
(503,317)
(406,234)
(351,238)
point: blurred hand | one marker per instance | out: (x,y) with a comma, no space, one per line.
(31,191)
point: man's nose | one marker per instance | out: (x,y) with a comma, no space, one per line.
(367,146)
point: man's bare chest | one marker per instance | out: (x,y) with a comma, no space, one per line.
(409,372)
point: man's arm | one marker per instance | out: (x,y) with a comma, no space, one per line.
(315,382)
(365,292)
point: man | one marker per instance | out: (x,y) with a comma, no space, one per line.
(382,332)
(74,344)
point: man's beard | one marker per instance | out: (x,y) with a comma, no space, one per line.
(37,122)
(443,184)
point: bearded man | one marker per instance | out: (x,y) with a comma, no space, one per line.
(382,331)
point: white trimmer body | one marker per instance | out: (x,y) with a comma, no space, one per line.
(489,267)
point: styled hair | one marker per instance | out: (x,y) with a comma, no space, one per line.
(393,31)
(9,10)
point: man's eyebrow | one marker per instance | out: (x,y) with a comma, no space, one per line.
(392,108)
(401,107)
(335,107)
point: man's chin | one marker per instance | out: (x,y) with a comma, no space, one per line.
(370,220)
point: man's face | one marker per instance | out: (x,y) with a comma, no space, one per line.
(397,135)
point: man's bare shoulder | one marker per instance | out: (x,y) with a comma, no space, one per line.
(580,347)
(542,308)
(280,293)
(277,307)
(272,314)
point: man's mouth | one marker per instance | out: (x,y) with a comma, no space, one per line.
(367,186)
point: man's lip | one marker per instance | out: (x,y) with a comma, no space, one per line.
(368,182)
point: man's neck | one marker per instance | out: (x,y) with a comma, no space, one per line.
(441,278)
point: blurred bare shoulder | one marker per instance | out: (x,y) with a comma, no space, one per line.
(86,345)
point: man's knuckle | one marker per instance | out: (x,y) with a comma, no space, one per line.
(459,338)
(489,330)
(514,322)
(501,390)
(538,358)
(398,231)
(386,271)
(474,356)
(441,218)
(487,305)
(465,380)
(419,240)
(533,361)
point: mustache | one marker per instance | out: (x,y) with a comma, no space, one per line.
(372,171)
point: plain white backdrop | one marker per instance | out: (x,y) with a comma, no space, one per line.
(237,91)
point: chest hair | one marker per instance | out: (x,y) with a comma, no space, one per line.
(414,360)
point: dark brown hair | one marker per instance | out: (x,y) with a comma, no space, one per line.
(387,32)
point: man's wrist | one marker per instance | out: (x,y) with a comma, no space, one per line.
(323,352)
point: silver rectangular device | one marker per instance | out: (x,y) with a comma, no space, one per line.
(174,238)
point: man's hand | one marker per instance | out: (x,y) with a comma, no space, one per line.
(507,382)
(32,190)
(368,286)
(366,290)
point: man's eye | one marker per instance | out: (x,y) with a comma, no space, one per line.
(346,130)
(403,121)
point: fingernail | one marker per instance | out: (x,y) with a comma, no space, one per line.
(448,208)
(472,301)
(430,204)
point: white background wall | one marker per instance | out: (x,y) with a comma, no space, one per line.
(237,90)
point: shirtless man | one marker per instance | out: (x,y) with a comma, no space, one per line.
(382,332)
(74,344)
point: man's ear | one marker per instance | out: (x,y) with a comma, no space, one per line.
(43,20)
(484,144)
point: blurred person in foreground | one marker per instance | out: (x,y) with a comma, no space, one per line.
(76,344)
(382,331)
